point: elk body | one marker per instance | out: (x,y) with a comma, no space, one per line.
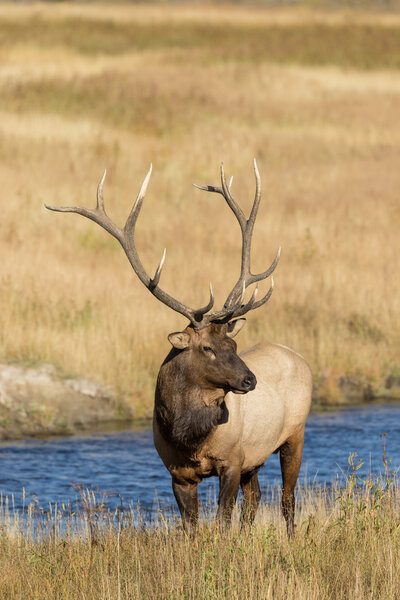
(218,413)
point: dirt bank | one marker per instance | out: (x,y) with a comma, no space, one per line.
(37,401)
(346,391)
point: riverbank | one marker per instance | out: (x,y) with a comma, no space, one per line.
(38,402)
(330,392)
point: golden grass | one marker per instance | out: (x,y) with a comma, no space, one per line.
(184,88)
(305,12)
(346,548)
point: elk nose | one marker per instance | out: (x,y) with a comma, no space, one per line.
(249,382)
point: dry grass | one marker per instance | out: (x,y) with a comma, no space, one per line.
(346,548)
(312,95)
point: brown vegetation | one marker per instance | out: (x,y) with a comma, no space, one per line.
(314,96)
(346,548)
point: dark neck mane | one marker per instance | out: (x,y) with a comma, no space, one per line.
(185,413)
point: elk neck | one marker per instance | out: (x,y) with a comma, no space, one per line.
(187,409)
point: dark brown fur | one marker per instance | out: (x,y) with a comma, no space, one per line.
(187,429)
(183,412)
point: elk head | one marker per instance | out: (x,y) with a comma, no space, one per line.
(211,360)
(209,336)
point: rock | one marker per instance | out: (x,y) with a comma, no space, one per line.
(88,388)
(38,401)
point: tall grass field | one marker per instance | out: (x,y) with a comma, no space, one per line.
(313,94)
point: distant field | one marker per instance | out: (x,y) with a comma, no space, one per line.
(314,95)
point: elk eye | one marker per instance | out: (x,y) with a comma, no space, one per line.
(209,349)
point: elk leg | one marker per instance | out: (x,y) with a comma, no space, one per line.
(252,495)
(229,481)
(186,495)
(290,457)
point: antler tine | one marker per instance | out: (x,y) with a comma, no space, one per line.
(269,271)
(254,278)
(208,188)
(233,205)
(251,304)
(237,310)
(133,215)
(266,297)
(200,312)
(157,275)
(225,191)
(98,214)
(229,312)
(100,200)
(242,309)
(257,196)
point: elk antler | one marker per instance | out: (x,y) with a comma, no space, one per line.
(233,306)
(125,237)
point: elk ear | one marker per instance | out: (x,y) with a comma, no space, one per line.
(179,340)
(234,327)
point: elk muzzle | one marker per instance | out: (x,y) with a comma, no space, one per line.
(244,385)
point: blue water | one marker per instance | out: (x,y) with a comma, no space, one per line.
(126,466)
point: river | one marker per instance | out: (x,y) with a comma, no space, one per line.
(125,465)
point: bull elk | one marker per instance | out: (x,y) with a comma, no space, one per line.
(203,425)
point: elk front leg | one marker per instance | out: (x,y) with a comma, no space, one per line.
(186,495)
(251,497)
(229,481)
